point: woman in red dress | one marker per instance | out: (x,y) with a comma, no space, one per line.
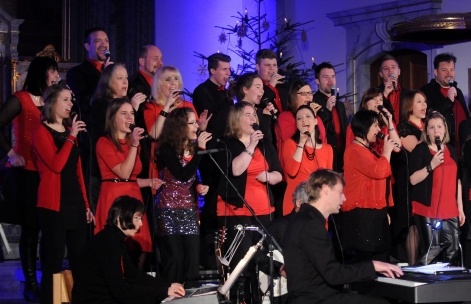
(20,188)
(303,154)
(119,163)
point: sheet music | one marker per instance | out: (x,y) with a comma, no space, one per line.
(433,268)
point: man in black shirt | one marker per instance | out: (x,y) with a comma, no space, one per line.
(212,96)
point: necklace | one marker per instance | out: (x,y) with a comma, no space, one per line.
(369,148)
(310,156)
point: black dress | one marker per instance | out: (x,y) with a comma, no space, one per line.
(401,213)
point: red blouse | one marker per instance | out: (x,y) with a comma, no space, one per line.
(50,163)
(444,204)
(23,126)
(365,179)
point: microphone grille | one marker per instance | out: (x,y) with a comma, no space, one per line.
(255,126)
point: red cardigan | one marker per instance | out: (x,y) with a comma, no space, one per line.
(50,163)
(365,179)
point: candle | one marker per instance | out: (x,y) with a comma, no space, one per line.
(281,55)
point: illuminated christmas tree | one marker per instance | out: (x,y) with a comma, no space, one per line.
(258,30)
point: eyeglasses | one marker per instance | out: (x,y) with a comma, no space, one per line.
(305,93)
(193,123)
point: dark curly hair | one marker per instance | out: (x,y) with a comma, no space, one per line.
(175,131)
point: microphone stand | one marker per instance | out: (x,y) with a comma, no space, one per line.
(271,240)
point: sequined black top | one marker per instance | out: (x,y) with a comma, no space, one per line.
(176,207)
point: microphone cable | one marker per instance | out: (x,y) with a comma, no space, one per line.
(436,224)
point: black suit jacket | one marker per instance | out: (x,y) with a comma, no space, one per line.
(388,105)
(436,101)
(139,84)
(326,117)
(206,96)
(313,272)
(83,79)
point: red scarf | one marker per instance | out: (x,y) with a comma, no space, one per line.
(395,99)
(147,77)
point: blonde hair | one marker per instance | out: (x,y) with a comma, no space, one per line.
(159,78)
(233,119)
(435,115)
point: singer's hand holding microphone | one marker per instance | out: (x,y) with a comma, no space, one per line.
(108,58)
(270,110)
(390,85)
(77,126)
(276,79)
(387,140)
(330,104)
(255,137)
(203,138)
(385,115)
(172,98)
(452,91)
(438,158)
(389,145)
(304,137)
(137,134)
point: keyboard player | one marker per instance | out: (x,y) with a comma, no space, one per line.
(310,263)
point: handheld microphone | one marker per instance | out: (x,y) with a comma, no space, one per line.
(210,151)
(332,91)
(74,114)
(307,133)
(381,109)
(438,142)
(264,103)
(133,126)
(452,83)
(255,127)
(338,94)
(393,82)
(107,54)
(380,135)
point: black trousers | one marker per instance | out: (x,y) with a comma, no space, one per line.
(180,258)
(447,236)
(54,239)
